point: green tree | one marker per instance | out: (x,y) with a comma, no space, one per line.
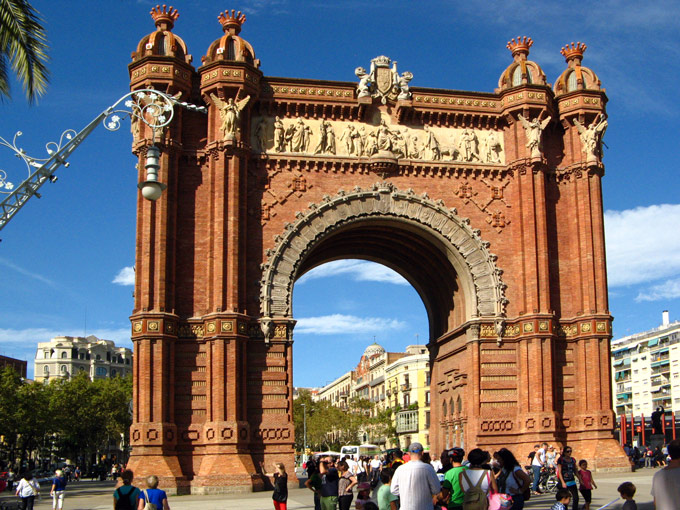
(23,47)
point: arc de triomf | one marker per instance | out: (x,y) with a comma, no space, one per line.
(489,204)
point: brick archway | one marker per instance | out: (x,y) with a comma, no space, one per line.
(469,255)
(218,254)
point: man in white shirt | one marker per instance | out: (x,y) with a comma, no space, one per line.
(666,481)
(536,464)
(415,482)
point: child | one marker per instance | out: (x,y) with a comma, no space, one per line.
(364,495)
(587,483)
(563,498)
(627,491)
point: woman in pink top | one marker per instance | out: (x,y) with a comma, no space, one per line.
(587,483)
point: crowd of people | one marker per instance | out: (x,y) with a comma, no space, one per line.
(480,481)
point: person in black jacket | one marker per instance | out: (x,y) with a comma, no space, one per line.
(280,477)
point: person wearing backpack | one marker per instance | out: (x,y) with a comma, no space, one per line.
(476,481)
(126,496)
(153,498)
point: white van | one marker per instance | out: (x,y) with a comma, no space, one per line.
(362,450)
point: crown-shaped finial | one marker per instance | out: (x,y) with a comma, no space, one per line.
(520,46)
(573,51)
(232,21)
(165,18)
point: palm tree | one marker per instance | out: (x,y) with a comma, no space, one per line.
(23,47)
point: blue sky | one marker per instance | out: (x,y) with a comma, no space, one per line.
(63,258)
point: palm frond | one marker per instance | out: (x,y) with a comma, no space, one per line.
(23,44)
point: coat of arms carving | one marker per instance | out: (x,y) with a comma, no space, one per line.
(383,81)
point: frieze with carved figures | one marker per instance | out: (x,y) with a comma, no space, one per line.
(274,135)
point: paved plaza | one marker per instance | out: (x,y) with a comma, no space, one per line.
(88,495)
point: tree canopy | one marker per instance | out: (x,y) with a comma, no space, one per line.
(23,48)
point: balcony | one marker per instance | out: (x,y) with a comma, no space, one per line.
(663,368)
(406,387)
(388,393)
(660,382)
(407,421)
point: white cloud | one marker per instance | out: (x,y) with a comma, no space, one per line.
(125,276)
(358,270)
(338,324)
(642,245)
(667,290)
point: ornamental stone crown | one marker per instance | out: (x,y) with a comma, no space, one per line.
(382,61)
(165,18)
(231,22)
(520,46)
(573,51)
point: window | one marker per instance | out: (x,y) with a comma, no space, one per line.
(428,377)
(427,398)
(460,404)
(113,372)
(46,370)
(407,400)
(443,407)
(517,76)
(63,369)
(63,355)
(571,82)
(101,371)
(98,357)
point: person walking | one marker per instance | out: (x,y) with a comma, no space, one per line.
(27,490)
(280,495)
(415,482)
(587,483)
(511,478)
(476,481)
(125,497)
(329,483)
(666,481)
(386,500)
(345,483)
(153,494)
(58,489)
(537,464)
(567,474)
(457,455)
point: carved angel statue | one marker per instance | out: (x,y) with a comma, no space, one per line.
(230,112)
(591,137)
(534,130)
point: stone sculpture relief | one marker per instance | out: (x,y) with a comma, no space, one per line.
(534,130)
(591,137)
(426,143)
(382,81)
(230,113)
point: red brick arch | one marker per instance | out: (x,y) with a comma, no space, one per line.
(467,253)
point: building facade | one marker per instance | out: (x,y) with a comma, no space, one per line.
(646,370)
(489,203)
(67,356)
(18,365)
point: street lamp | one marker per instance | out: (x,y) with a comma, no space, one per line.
(153,108)
(304,428)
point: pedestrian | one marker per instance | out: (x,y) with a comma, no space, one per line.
(363,496)
(446,464)
(476,481)
(457,455)
(58,489)
(345,483)
(10,479)
(567,474)
(627,491)
(511,479)
(314,483)
(666,481)
(587,483)
(375,466)
(27,490)
(126,496)
(563,497)
(415,482)
(397,460)
(551,457)
(386,500)
(329,483)
(153,495)
(280,495)
(537,464)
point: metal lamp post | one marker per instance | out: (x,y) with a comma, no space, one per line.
(153,108)
(304,428)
